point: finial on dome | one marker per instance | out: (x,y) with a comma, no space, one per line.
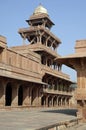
(40,9)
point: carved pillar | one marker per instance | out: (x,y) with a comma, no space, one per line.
(57,85)
(59,67)
(38,97)
(15,94)
(2,93)
(57,101)
(52,101)
(51,63)
(25,96)
(30,94)
(24,38)
(40,39)
(61,101)
(47,101)
(47,40)
(46,61)
(40,90)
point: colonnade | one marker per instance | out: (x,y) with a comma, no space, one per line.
(50,63)
(57,83)
(14,93)
(19,93)
(55,101)
(41,37)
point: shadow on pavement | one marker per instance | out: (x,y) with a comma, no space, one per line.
(63,111)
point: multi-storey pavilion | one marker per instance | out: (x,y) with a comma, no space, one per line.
(29,74)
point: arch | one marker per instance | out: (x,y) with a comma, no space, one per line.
(20,95)
(8,95)
(43,101)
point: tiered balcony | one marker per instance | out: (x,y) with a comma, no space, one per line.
(7,70)
(56,73)
(51,91)
(40,47)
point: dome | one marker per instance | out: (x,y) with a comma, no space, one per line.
(40,9)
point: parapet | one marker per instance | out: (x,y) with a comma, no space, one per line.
(3,43)
(80,46)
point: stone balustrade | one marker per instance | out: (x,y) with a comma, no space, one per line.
(47,90)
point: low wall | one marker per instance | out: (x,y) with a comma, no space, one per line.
(62,125)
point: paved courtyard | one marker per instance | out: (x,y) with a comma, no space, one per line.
(32,119)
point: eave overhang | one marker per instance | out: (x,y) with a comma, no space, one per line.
(67,60)
(32,30)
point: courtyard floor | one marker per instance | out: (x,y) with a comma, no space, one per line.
(32,119)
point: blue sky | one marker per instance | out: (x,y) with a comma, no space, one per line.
(69,17)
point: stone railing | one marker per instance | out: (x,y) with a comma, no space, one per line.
(55,73)
(18,73)
(47,90)
(38,46)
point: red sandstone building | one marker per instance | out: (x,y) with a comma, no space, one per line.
(77,61)
(30,75)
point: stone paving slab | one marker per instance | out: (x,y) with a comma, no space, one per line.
(32,119)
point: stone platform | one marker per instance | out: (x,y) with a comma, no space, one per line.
(36,118)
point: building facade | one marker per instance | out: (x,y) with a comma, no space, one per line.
(30,75)
(77,61)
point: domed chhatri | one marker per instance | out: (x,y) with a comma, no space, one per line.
(40,17)
(39,10)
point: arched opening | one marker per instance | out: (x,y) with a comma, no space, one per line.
(8,95)
(20,95)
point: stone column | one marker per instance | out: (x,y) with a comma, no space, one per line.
(40,38)
(52,102)
(15,95)
(2,93)
(61,101)
(57,102)
(39,95)
(65,101)
(46,101)
(30,90)
(46,61)
(25,96)
(47,40)
(51,64)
